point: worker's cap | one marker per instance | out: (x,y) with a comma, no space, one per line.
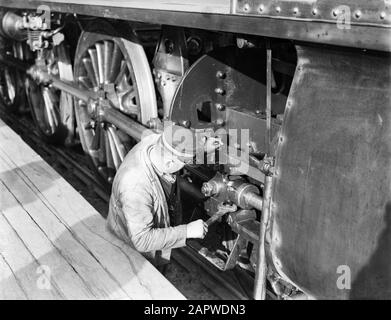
(180,142)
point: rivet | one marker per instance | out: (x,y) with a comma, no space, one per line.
(278,9)
(246,7)
(335,12)
(220,122)
(314,11)
(220,107)
(357,14)
(296,10)
(186,123)
(220,91)
(220,75)
(382,15)
(261,8)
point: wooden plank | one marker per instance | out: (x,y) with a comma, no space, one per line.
(25,270)
(10,289)
(212,6)
(60,205)
(53,245)
(63,275)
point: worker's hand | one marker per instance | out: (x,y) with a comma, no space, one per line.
(196,229)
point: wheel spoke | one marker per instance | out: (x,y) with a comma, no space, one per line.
(113,148)
(10,85)
(108,52)
(90,71)
(102,150)
(118,144)
(115,63)
(96,140)
(109,157)
(49,109)
(121,73)
(94,61)
(100,61)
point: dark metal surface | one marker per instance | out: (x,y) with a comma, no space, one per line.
(332,193)
(359,35)
(222,85)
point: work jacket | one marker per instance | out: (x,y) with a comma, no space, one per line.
(138,211)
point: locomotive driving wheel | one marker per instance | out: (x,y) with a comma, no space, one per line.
(114,66)
(52,109)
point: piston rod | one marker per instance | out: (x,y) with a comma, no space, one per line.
(124,123)
(42,76)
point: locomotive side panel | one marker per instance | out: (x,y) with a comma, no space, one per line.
(332,191)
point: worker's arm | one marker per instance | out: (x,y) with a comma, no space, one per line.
(137,207)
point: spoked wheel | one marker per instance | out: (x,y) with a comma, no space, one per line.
(116,66)
(52,109)
(12,94)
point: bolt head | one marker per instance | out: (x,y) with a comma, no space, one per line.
(219,91)
(246,7)
(220,75)
(220,122)
(358,14)
(186,123)
(220,107)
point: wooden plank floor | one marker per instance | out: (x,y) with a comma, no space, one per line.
(53,243)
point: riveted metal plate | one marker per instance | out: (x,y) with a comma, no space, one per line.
(355,12)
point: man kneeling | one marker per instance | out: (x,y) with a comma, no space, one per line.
(138,209)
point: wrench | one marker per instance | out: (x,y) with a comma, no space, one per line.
(222,209)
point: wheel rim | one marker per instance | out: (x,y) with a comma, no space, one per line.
(107,65)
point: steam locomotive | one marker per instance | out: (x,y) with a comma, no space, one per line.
(298,90)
